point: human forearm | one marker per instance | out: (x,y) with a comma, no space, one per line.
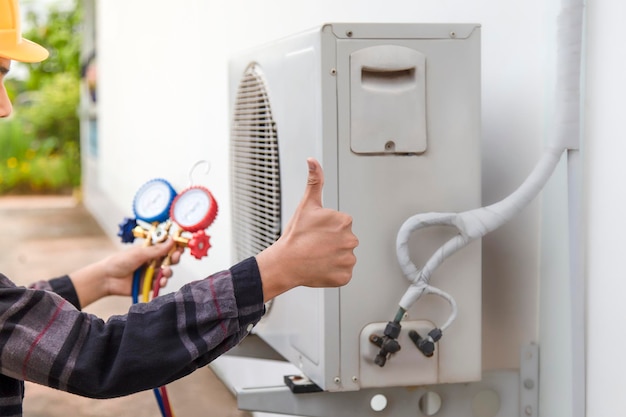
(90,283)
(53,344)
(172,335)
(155,344)
(113,275)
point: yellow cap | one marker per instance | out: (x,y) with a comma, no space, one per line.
(12,45)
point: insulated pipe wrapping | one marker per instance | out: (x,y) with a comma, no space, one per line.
(413,223)
(471,225)
(567,92)
(476,223)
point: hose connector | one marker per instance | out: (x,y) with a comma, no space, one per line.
(388,343)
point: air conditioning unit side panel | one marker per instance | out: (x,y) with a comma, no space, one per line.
(381,191)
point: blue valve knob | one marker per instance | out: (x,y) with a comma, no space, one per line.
(126,230)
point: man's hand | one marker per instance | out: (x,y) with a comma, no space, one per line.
(114,274)
(315,250)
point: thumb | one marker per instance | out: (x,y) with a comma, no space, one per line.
(157,251)
(314,184)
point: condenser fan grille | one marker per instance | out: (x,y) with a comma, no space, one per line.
(255,168)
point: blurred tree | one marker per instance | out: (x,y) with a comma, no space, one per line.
(54,83)
(59,30)
(40,142)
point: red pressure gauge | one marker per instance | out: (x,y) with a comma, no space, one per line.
(194,209)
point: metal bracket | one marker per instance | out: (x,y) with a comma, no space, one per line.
(500,393)
(529,381)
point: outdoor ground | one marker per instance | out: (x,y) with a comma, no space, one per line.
(45,237)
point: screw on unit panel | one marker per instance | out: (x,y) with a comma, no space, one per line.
(349,33)
(453,34)
(528,410)
(529,384)
(390,145)
(333,71)
(337,380)
(355,379)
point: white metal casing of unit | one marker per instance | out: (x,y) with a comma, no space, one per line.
(392,112)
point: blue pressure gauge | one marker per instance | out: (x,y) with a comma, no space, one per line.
(153,200)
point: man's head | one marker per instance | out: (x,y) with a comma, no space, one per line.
(13,47)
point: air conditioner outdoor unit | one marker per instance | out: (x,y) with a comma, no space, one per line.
(392,112)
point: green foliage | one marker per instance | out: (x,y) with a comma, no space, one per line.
(39,144)
(35,166)
(52,112)
(60,32)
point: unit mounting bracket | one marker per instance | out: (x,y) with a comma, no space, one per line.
(500,393)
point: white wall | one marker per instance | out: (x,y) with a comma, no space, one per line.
(606,204)
(163,105)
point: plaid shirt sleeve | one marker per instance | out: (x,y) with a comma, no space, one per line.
(62,286)
(45,339)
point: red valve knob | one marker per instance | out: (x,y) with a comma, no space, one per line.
(199,244)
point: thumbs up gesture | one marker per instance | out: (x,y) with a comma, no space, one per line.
(315,250)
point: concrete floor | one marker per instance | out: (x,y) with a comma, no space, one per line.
(45,237)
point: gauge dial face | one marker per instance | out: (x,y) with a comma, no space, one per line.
(153,200)
(194,209)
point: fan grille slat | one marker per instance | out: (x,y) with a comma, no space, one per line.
(255,168)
